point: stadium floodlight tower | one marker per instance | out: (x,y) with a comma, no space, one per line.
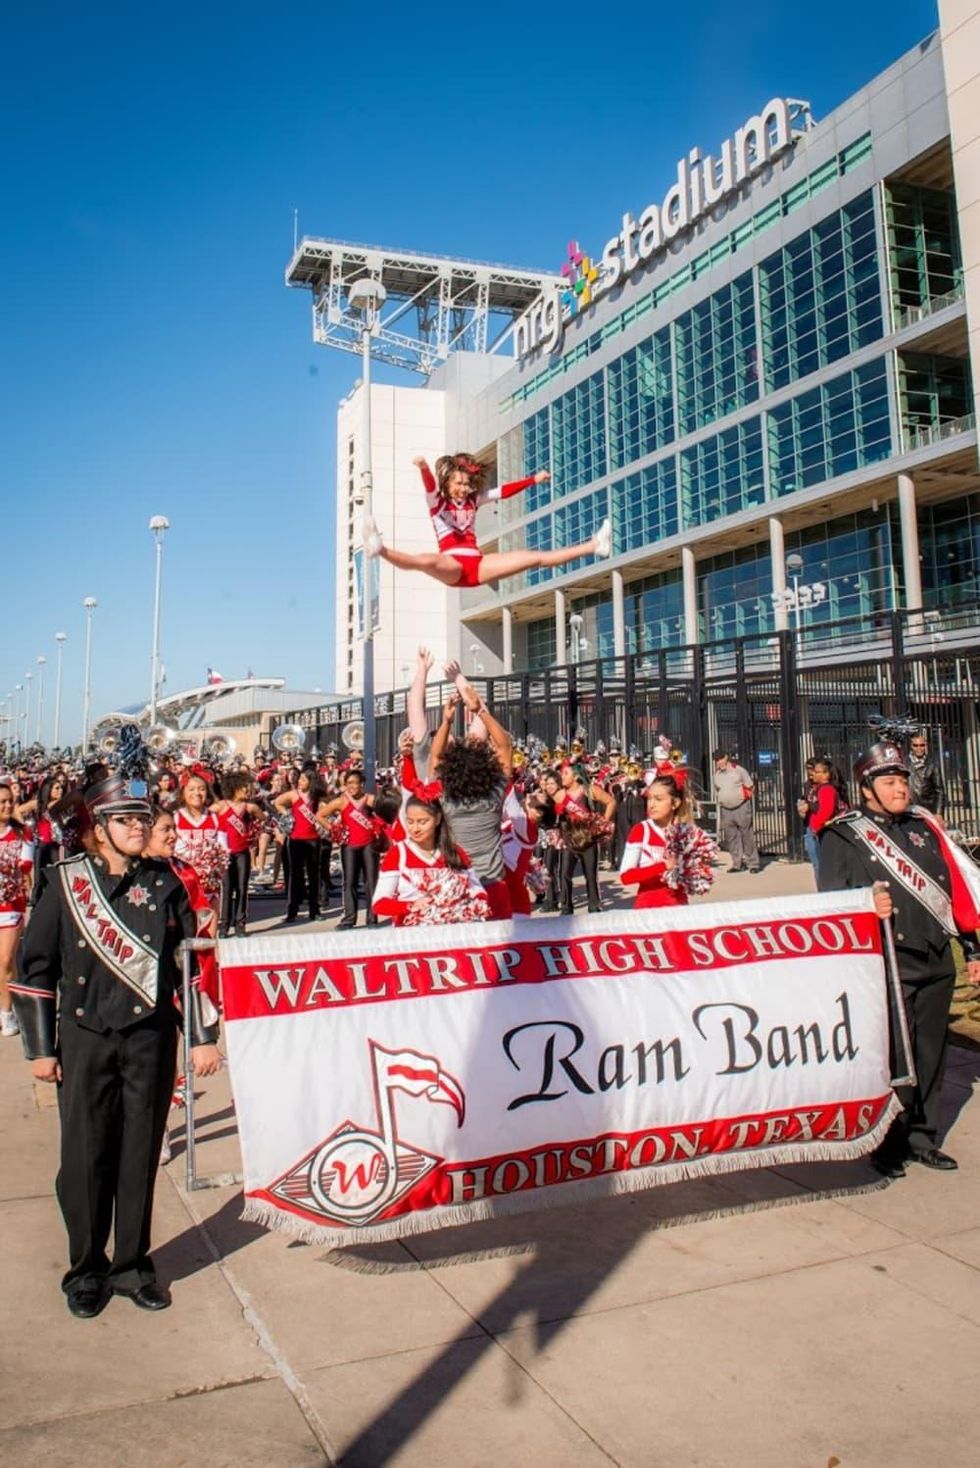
(456,303)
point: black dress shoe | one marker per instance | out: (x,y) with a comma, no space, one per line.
(932,1157)
(150,1296)
(892,1167)
(89,1300)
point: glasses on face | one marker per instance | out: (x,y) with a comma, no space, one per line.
(917,744)
(131,821)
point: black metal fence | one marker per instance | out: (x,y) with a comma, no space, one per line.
(773,698)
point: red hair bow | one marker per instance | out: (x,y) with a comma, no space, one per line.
(427,793)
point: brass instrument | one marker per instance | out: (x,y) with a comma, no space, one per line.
(161,739)
(352,735)
(219,748)
(105,736)
(289,739)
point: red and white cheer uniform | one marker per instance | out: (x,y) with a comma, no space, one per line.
(411,878)
(455,522)
(644,862)
(200,844)
(16,862)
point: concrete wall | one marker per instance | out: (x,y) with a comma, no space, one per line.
(960,30)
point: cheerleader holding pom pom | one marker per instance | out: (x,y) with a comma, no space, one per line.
(454,494)
(426,880)
(667,856)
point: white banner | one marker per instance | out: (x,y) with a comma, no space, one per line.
(393,1080)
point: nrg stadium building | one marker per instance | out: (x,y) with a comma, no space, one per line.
(766,378)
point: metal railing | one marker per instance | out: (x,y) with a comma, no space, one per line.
(920,436)
(774,697)
(910,315)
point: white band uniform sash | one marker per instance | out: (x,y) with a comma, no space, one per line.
(125,955)
(923,888)
(392,1080)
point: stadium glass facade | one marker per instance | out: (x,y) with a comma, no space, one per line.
(793,381)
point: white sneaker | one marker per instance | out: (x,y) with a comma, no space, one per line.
(165,1152)
(371,537)
(603,540)
(8,1022)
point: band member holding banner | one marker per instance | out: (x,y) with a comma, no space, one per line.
(96,1008)
(930,891)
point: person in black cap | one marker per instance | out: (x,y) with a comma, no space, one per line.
(97,1013)
(930,891)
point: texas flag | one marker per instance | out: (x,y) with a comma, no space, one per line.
(214,676)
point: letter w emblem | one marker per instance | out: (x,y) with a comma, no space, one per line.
(361,1175)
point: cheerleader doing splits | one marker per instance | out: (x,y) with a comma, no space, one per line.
(454,494)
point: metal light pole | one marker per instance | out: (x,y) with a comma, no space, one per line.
(28,678)
(41,664)
(367,295)
(575,623)
(90,605)
(159,524)
(60,638)
(794,565)
(18,690)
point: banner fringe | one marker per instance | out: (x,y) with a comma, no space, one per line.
(257,1210)
(348,1258)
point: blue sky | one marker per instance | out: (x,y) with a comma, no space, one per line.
(154,363)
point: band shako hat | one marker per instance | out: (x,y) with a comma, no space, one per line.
(882,758)
(116,796)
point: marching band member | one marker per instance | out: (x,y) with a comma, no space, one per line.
(426,879)
(358,853)
(16,866)
(932,892)
(105,933)
(453,495)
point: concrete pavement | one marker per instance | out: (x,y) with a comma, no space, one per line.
(785,1317)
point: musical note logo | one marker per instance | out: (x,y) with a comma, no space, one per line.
(358,1172)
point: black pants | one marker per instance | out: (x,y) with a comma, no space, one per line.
(326,851)
(589,859)
(357,862)
(113,1098)
(234,891)
(927,1006)
(552,863)
(304,877)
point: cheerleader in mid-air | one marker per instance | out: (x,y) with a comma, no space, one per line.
(454,494)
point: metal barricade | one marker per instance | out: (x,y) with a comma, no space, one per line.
(187,949)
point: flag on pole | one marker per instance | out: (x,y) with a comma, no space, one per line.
(214,676)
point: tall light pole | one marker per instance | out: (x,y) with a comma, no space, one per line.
(90,605)
(60,638)
(367,296)
(575,623)
(18,689)
(159,524)
(28,679)
(41,665)
(794,565)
